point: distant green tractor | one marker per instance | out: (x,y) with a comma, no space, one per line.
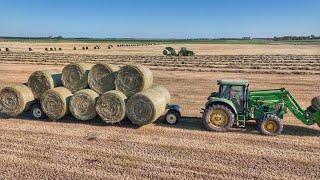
(234,103)
(169,51)
(185,52)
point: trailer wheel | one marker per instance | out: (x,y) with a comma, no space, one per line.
(37,112)
(172,117)
(218,118)
(270,125)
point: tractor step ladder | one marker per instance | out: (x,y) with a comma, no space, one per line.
(241,123)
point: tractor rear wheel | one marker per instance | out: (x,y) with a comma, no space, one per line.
(270,125)
(218,118)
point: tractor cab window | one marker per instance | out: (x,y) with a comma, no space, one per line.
(234,94)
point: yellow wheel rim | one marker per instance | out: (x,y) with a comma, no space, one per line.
(218,118)
(271,126)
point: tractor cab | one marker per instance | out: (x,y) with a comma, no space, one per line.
(235,91)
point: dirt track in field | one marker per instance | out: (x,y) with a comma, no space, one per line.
(62,149)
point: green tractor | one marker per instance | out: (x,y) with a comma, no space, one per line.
(169,51)
(235,104)
(185,52)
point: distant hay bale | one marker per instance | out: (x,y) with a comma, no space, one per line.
(87,48)
(55,48)
(30,49)
(41,81)
(51,49)
(83,104)
(146,107)
(7,49)
(46,49)
(132,79)
(83,48)
(75,76)
(95,47)
(60,49)
(15,99)
(102,77)
(74,48)
(111,106)
(55,102)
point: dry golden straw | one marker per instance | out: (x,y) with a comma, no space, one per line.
(102,77)
(55,102)
(75,76)
(41,81)
(132,79)
(111,106)
(83,104)
(15,99)
(146,107)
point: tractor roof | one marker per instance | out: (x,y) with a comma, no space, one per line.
(233,82)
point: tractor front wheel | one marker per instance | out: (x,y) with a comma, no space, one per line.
(218,118)
(270,125)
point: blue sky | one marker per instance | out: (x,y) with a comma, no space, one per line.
(159,18)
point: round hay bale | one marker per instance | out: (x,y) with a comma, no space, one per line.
(46,49)
(102,77)
(132,79)
(55,102)
(163,91)
(60,49)
(315,102)
(83,48)
(51,49)
(7,49)
(15,99)
(146,107)
(30,49)
(95,47)
(41,81)
(74,48)
(111,106)
(75,76)
(87,48)
(83,104)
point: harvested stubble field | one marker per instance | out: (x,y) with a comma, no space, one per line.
(72,149)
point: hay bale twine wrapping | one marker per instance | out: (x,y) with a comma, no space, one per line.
(75,76)
(111,106)
(55,102)
(315,102)
(41,81)
(102,77)
(146,107)
(83,104)
(132,79)
(15,99)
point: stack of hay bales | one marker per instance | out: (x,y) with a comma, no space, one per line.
(86,90)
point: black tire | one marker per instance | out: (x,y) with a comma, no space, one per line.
(315,102)
(37,112)
(213,124)
(270,125)
(172,117)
